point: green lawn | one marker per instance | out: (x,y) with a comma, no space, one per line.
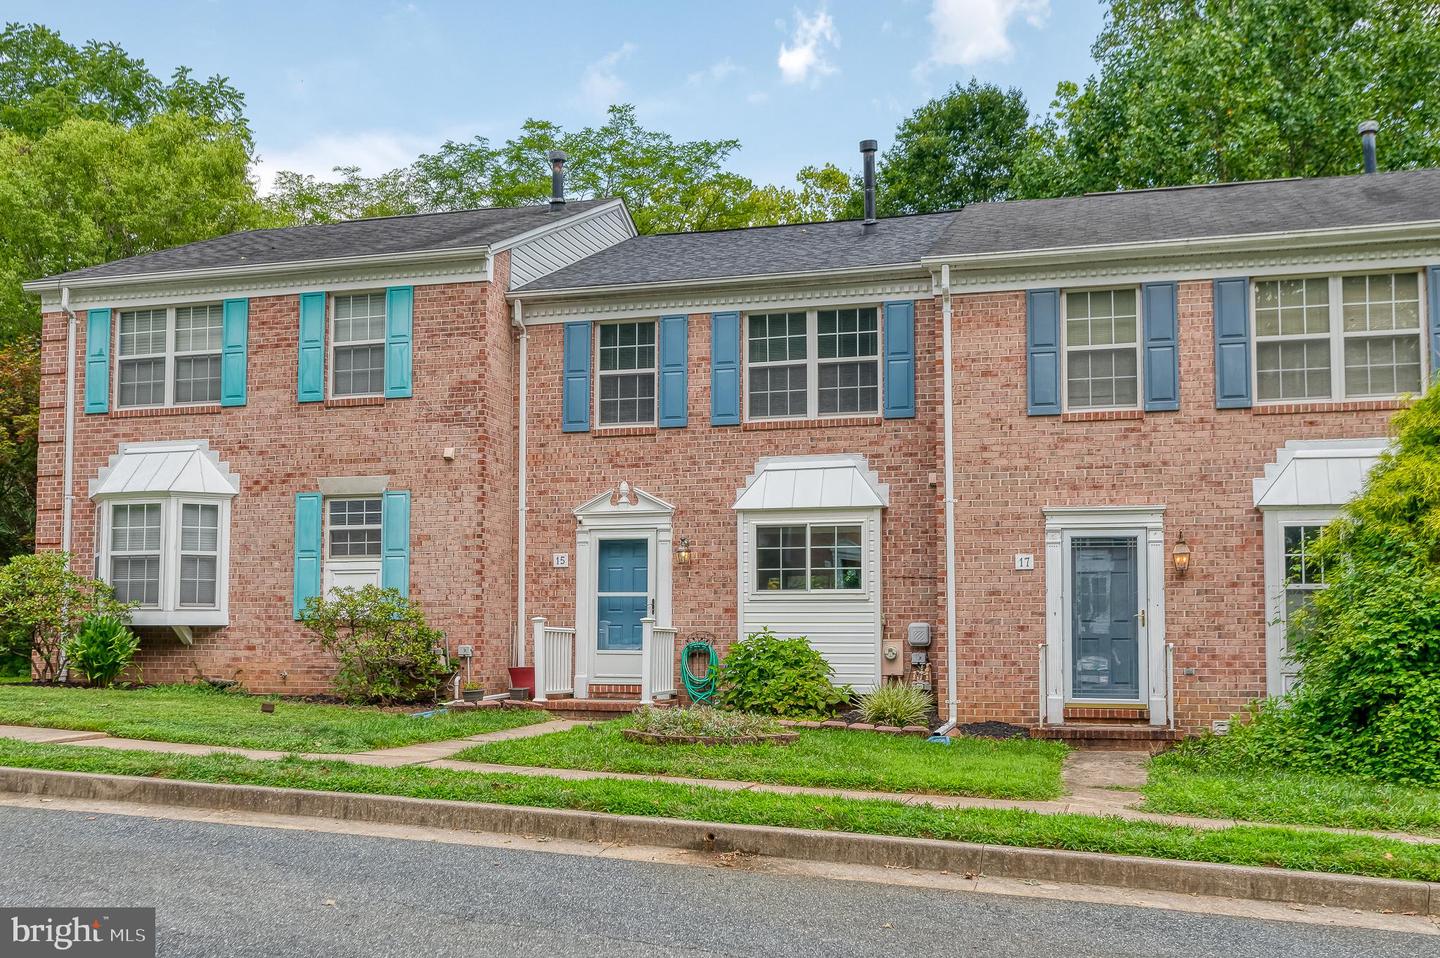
(1242,845)
(178,713)
(1013,768)
(1190,783)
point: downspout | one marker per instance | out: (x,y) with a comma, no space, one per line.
(519,651)
(68,502)
(948,399)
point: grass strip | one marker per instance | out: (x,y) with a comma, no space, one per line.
(1011,768)
(203,716)
(1186,783)
(1241,845)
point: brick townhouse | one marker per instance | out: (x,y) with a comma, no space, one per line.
(1081,444)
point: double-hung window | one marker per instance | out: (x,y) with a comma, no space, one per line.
(199,554)
(1102,349)
(813,363)
(135,551)
(353,543)
(1338,337)
(169,356)
(358,352)
(627,374)
(807,558)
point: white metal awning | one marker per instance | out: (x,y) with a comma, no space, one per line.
(187,467)
(1317,472)
(813,482)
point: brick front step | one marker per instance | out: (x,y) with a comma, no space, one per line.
(1111,736)
(1105,714)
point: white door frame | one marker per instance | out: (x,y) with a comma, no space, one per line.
(1147,524)
(620,513)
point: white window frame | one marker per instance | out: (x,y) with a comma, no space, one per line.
(331,566)
(169,611)
(1337,336)
(332,343)
(809,526)
(1065,349)
(1277,520)
(170,355)
(600,374)
(813,362)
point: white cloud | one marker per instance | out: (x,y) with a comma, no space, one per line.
(967,32)
(803,59)
(374,151)
(716,72)
(600,85)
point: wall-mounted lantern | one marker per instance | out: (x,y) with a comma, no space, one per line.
(683,553)
(1180,555)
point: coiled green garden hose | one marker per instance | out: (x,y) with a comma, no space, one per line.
(700,689)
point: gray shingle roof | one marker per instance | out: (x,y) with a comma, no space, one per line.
(425,232)
(676,257)
(1194,212)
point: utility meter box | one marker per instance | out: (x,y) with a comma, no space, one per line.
(918,635)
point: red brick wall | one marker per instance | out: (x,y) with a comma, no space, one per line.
(699,470)
(462,517)
(1197,462)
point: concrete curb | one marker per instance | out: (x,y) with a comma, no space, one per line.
(1195,878)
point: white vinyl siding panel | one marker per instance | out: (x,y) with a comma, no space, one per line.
(546,254)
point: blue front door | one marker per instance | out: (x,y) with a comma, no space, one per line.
(622,594)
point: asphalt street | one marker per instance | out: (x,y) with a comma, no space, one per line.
(235,891)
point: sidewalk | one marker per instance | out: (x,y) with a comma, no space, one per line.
(1102,783)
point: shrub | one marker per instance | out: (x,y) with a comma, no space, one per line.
(771,675)
(703,720)
(101,649)
(385,652)
(43,602)
(1368,645)
(897,705)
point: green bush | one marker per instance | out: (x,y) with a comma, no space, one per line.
(1368,645)
(770,675)
(43,603)
(703,720)
(385,652)
(900,705)
(101,649)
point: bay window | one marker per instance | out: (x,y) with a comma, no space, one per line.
(809,557)
(167,555)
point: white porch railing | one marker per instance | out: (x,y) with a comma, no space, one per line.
(657,661)
(1044,681)
(554,660)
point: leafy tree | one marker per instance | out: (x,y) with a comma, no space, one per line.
(956,149)
(19,422)
(1195,91)
(821,193)
(43,603)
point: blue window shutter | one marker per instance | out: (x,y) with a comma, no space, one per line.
(900,360)
(399,318)
(674,386)
(1162,346)
(1232,343)
(1433,283)
(312,347)
(1042,351)
(307,548)
(235,339)
(97,360)
(395,542)
(575,399)
(724,369)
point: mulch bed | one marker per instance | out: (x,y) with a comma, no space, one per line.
(659,738)
(860,727)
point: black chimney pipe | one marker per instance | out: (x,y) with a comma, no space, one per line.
(1368,129)
(867,150)
(557,179)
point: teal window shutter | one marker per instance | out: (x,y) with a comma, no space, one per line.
(1162,346)
(1042,351)
(674,376)
(307,548)
(900,360)
(395,542)
(1433,282)
(1232,343)
(724,369)
(399,310)
(97,360)
(575,398)
(312,347)
(235,339)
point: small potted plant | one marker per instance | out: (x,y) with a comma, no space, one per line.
(473,691)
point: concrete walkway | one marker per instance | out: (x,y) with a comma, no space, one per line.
(1097,782)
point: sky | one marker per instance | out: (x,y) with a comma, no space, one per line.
(374,84)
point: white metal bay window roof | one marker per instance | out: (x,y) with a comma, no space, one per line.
(1311,472)
(187,468)
(813,482)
